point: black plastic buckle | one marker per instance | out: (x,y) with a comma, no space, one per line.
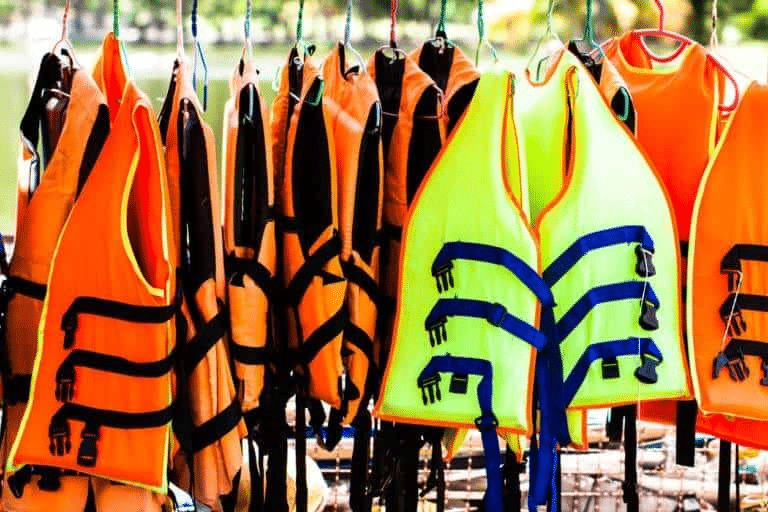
(59,435)
(646,372)
(459,384)
(764,367)
(444,277)
(734,362)
(431,386)
(69,325)
(610,367)
(19,480)
(65,382)
(87,453)
(498,314)
(50,480)
(486,422)
(644,266)
(437,332)
(648,319)
(737,326)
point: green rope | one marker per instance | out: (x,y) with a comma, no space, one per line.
(588,32)
(481,21)
(348,24)
(440,31)
(300,22)
(116,18)
(247,22)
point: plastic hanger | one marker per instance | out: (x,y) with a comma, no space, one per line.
(64,44)
(198,56)
(348,39)
(589,31)
(549,33)
(684,43)
(440,39)
(116,33)
(483,41)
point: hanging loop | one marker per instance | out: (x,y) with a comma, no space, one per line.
(199,55)
(440,30)
(394,5)
(116,18)
(300,23)
(348,25)
(64,40)
(713,41)
(179,29)
(483,40)
(247,42)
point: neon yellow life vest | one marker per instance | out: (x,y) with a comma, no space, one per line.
(476,327)
(608,246)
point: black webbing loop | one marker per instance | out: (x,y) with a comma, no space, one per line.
(253,269)
(13,285)
(724,477)
(204,339)
(359,497)
(323,335)
(684,249)
(312,267)
(360,339)
(301,453)
(115,309)
(215,428)
(16,389)
(250,355)
(731,262)
(685,442)
(360,277)
(629,487)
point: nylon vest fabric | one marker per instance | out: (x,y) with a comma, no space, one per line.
(39,222)
(727,327)
(249,230)
(85,419)
(454,74)
(308,201)
(355,115)
(209,428)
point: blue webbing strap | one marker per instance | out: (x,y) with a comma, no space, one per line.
(604,350)
(599,295)
(487,421)
(496,314)
(592,241)
(554,425)
(497,256)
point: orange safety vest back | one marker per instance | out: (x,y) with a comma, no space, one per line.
(355,115)
(249,230)
(209,427)
(315,288)
(412,134)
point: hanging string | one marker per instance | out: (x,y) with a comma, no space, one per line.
(588,32)
(713,42)
(480,21)
(300,22)
(116,18)
(393,8)
(65,21)
(198,55)
(348,24)
(247,22)
(179,28)
(440,31)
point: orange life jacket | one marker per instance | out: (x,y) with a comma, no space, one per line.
(249,230)
(40,219)
(412,135)
(212,425)
(97,397)
(453,73)
(355,115)
(315,289)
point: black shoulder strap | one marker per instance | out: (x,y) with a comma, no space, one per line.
(724,477)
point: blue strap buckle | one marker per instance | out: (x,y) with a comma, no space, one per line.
(487,421)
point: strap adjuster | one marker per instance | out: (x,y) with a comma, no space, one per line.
(644,266)
(646,372)
(59,436)
(87,453)
(487,421)
(498,314)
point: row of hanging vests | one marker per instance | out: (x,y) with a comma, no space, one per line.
(354,264)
